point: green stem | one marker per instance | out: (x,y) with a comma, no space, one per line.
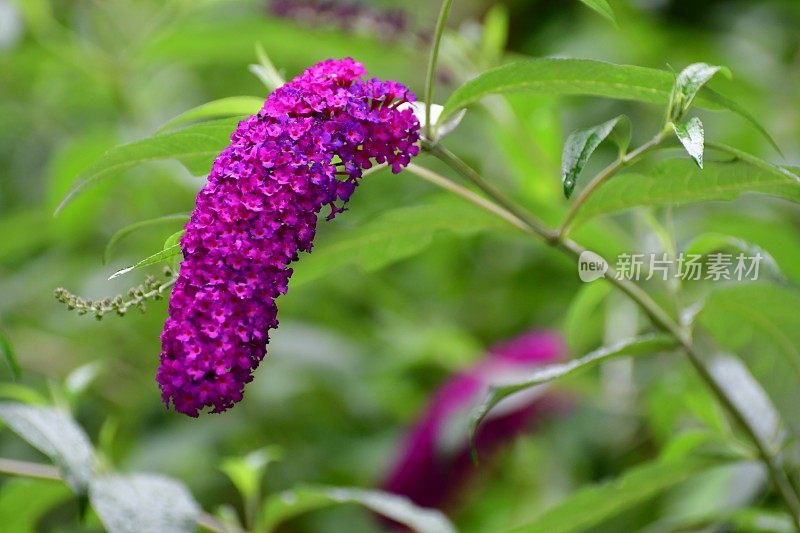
(604,175)
(657,314)
(495,194)
(434,58)
(449,185)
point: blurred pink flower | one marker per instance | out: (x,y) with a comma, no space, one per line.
(434,459)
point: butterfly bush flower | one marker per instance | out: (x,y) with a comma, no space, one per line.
(432,463)
(305,149)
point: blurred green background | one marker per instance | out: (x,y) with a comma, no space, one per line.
(359,354)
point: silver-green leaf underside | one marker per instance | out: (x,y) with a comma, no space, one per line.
(580,146)
(643,345)
(54,433)
(133,503)
(291,503)
(690,134)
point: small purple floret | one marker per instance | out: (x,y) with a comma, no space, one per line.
(305,149)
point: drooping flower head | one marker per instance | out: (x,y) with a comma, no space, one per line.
(304,150)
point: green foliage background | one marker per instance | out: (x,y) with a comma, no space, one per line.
(368,333)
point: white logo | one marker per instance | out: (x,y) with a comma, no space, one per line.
(591,266)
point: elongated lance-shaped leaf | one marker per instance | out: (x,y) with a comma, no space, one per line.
(247,473)
(232,106)
(789,173)
(165,254)
(580,146)
(195,146)
(592,505)
(10,357)
(603,9)
(759,322)
(688,84)
(679,181)
(690,134)
(291,503)
(265,70)
(394,235)
(134,503)
(710,242)
(643,345)
(54,433)
(749,398)
(726,103)
(174,239)
(136,226)
(586,77)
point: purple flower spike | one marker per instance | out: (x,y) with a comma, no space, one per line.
(305,149)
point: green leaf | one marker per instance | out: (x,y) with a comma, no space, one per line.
(749,398)
(171,241)
(246,472)
(24,501)
(136,226)
(687,443)
(580,146)
(21,394)
(774,239)
(585,77)
(583,327)
(690,133)
(292,503)
(394,235)
(54,433)
(174,239)
(265,70)
(757,520)
(8,354)
(759,322)
(679,182)
(233,106)
(688,84)
(602,7)
(169,252)
(792,174)
(79,380)
(707,243)
(134,503)
(592,505)
(724,102)
(643,345)
(195,146)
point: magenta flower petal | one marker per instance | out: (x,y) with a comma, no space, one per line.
(305,149)
(429,470)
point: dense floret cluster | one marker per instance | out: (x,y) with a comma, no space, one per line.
(304,150)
